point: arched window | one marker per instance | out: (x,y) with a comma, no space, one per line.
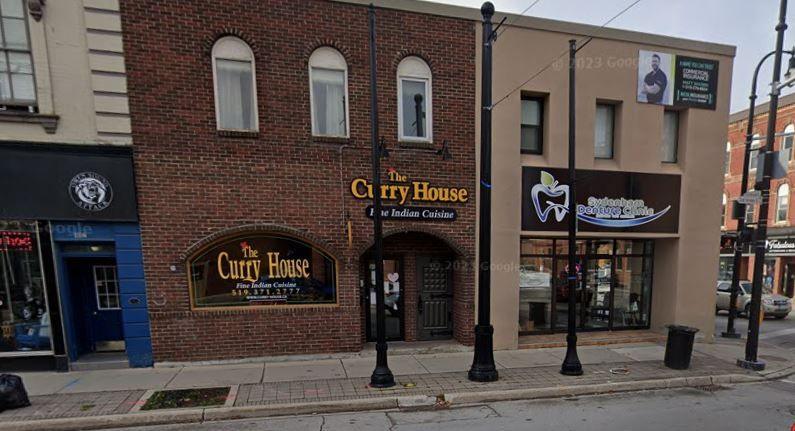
(786,144)
(723,211)
(415,97)
(727,159)
(782,203)
(755,143)
(328,92)
(235,85)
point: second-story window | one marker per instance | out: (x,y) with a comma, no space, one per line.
(723,211)
(786,143)
(17,86)
(532,125)
(328,92)
(235,88)
(782,203)
(604,131)
(753,156)
(750,212)
(727,159)
(414,97)
(670,141)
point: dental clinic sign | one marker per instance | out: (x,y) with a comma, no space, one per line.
(607,201)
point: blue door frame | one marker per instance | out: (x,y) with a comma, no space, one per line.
(129,262)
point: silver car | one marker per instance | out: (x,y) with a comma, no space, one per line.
(775,305)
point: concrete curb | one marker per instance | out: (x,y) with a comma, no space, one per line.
(408,402)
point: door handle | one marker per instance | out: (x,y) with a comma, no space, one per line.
(95,313)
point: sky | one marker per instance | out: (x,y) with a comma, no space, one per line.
(747,24)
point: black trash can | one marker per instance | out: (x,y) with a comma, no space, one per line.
(679,347)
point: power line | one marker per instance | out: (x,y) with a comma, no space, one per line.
(559,56)
(520,14)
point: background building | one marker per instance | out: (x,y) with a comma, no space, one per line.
(779,266)
(71,274)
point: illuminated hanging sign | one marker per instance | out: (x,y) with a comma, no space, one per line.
(402,192)
(262,269)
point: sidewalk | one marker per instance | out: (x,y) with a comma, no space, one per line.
(92,399)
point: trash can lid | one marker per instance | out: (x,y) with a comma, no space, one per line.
(682,328)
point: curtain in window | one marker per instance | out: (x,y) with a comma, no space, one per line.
(782,206)
(413,103)
(235,94)
(328,93)
(670,136)
(603,139)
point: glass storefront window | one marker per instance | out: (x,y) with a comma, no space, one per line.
(613,287)
(536,246)
(24,316)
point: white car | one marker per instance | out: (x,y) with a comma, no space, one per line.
(775,305)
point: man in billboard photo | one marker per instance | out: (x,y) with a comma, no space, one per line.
(655,82)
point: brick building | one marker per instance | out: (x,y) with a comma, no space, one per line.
(779,275)
(252,138)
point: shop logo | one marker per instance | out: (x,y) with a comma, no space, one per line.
(549,187)
(90,191)
(604,212)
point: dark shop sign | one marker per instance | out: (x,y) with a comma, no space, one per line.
(607,201)
(59,182)
(391,212)
(261,270)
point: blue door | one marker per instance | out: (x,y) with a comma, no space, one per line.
(96,302)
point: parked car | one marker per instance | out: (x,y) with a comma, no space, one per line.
(775,305)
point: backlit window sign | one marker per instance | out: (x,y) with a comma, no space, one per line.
(262,270)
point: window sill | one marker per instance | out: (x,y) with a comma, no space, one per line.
(238,133)
(48,122)
(419,145)
(339,140)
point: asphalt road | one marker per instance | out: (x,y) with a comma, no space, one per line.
(773,331)
(759,407)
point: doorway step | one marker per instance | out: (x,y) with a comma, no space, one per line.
(101,361)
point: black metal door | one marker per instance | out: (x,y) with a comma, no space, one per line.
(435,302)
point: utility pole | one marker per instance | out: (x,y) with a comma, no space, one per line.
(483,368)
(382,376)
(571,364)
(752,344)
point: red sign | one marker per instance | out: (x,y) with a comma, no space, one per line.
(16,241)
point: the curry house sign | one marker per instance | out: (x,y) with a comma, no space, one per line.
(262,270)
(607,201)
(400,192)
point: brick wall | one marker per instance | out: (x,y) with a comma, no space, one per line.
(193,182)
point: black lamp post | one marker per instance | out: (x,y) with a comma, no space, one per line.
(382,376)
(483,368)
(743,234)
(752,344)
(571,364)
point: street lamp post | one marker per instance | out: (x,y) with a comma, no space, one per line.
(483,368)
(571,364)
(742,235)
(382,376)
(752,344)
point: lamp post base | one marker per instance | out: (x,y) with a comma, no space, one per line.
(483,368)
(751,365)
(571,364)
(382,376)
(726,334)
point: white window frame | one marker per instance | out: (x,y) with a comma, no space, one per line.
(752,208)
(247,56)
(328,58)
(781,187)
(419,71)
(789,129)
(32,105)
(728,161)
(107,294)
(755,146)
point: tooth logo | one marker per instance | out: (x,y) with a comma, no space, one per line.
(550,187)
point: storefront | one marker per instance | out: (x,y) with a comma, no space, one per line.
(778,274)
(70,256)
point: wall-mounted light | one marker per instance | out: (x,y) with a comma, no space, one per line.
(444,151)
(382,148)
